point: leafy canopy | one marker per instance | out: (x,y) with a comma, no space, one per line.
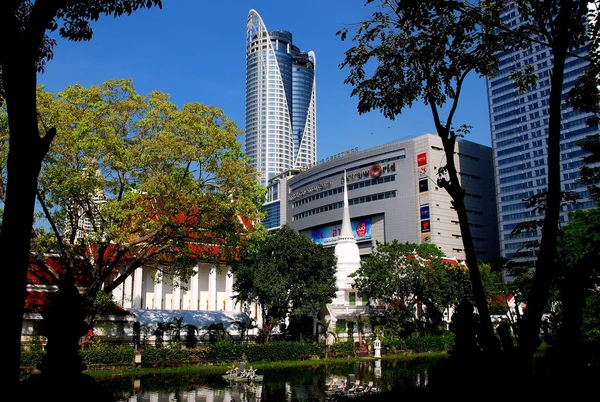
(285,273)
(136,180)
(407,274)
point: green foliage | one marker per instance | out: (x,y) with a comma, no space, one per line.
(590,172)
(285,272)
(226,351)
(153,182)
(418,344)
(103,302)
(103,354)
(591,319)
(280,351)
(30,357)
(401,277)
(409,51)
(163,355)
(341,349)
(579,247)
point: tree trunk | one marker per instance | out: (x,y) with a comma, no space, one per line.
(546,267)
(26,151)
(486,335)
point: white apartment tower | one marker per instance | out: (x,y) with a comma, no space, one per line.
(281,128)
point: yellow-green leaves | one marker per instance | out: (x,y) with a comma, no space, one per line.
(142,179)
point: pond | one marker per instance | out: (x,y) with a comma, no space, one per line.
(290,384)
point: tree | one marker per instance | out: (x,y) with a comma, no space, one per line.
(561,27)
(411,51)
(25,26)
(423,51)
(412,277)
(285,273)
(137,181)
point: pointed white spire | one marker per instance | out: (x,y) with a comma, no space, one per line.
(346,225)
(346,249)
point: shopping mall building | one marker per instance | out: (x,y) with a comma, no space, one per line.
(392,194)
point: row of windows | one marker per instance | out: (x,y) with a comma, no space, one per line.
(354,201)
(516,187)
(515,168)
(517,139)
(512,150)
(338,190)
(516,177)
(512,159)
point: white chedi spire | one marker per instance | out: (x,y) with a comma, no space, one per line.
(346,249)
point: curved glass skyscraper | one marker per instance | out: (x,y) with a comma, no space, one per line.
(281,127)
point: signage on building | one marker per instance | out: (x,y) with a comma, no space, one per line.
(340,155)
(316,187)
(330,158)
(422,171)
(426,238)
(361,229)
(425,226)
(374,171)
(424,212)
(422,159)
(423,185)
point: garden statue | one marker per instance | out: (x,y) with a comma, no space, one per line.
(61,378)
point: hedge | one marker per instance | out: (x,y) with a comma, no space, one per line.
(227,351)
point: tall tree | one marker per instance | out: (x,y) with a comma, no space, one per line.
(285,273)
(136,181)
(561,27)
(25,26)
(412,277)
(423,51)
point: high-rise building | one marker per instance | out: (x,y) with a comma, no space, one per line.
(519,129)
(281,127)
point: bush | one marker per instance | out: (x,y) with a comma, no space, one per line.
(420,344)
(30,357)
(163,355)
(226,352)
(104,354)
(280,351)
(341,349)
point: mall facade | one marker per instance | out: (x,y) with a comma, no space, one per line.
(393,195)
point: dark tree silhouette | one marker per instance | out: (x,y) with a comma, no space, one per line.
(25,26)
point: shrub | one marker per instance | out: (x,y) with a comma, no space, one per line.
(226,351)
(104,354)
(342,349)
(30,357)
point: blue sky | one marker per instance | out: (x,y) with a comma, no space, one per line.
(195,51)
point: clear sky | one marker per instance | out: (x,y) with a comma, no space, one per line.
(195,51)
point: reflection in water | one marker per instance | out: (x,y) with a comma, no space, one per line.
(297,384)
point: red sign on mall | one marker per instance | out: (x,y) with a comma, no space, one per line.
(422,159)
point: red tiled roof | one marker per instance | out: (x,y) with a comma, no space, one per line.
(36,300)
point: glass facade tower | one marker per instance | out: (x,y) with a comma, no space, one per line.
(519,129)
(281,130)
